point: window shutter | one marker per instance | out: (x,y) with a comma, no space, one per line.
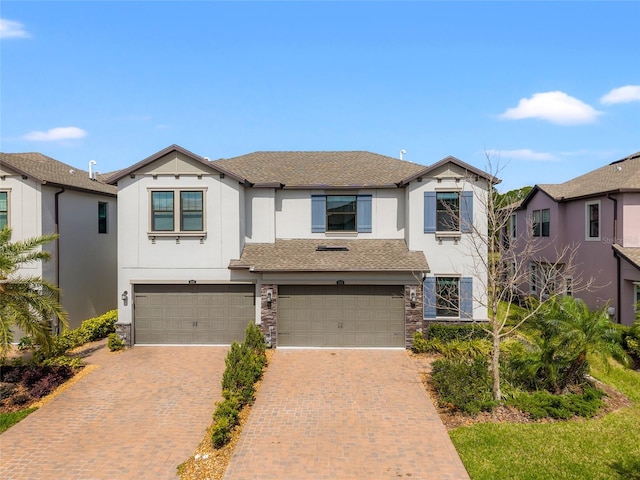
(466,298)
(318,213)
(466,212)
(364,213)
(429,287)
(430,213)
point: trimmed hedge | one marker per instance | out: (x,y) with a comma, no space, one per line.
(90,330)
(453,348)
(463,331)
(245,363)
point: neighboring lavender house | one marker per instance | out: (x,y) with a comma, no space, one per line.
(40,195)
(599,213)
(318,248)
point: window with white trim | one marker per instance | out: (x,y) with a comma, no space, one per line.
(592,221)
(637,297)
(4,209)
(513,226)
(178,211)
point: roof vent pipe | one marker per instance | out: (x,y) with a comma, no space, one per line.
(402,152)
(91,164)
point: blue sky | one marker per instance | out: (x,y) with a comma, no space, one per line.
(549,90)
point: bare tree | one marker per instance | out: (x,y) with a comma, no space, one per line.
(527,270)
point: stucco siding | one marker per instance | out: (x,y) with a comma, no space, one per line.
(452,255)
(630,221)
(293,213)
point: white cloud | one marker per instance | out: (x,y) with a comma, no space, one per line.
(555,107)
(628,93)
(524,154)
(12,29)
(59,133)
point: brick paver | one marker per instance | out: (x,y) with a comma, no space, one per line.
(343,414)
(137,416)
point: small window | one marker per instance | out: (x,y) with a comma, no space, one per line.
(592,221)
(568,286)
(447,297)
(637,297)
(341,213)
(191,211)
(447,211)
(4,209)
(162,213)
(513,226)
(102,217)
(541,222)
(533,278)
(546,220)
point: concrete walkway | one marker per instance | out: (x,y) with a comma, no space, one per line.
(340,415)
(137,416)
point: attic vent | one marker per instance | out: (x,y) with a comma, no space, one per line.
(331,248)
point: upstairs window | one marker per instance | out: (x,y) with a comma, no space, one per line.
(592,224)
(448,212)
(541,222)
(191,211)
(102,217)
(4,209)
(162,217)
(341,213)
(513,226)
(177,211)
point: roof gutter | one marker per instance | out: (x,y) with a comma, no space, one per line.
(56,326)
(615,254)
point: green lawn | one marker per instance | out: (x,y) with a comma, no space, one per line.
(7,420)
(604,448)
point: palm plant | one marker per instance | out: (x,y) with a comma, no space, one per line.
(26,302)
(566,334)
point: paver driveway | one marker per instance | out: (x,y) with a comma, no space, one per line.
(137,416)
(343,414)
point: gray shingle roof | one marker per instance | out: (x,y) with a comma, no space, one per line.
(320,169)
(631,254)
(622,175)
(47,170)
(302,255)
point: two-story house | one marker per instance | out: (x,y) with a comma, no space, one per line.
(334,249)
(597,217)
(40,195)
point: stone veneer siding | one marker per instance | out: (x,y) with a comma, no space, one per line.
(269,315)
(124,332)
(413,314)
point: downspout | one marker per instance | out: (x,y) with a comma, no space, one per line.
(56,326)
(615,240)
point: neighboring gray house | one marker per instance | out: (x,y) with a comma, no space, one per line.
(318,248)
(598,213)
(40,195)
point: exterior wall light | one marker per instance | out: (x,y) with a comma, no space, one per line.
(269,297)
(413,297)
(125,296)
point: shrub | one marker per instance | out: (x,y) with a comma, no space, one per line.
(422,345)
(447,333)
(452,348)
(90,330)
(241,372)
(254,339)
(221,432)
(631,339)
(228,408)
(52,378)
(114,342)
(463,384)
(543,404)
(64,360)
(6,390)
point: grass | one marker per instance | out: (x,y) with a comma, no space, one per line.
(7,420)
(602,448)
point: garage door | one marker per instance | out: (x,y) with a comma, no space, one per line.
(192,314)
(340,316)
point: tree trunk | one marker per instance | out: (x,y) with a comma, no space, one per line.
(495,367)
